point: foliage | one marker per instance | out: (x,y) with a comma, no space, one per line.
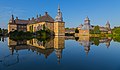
(43,33)
(44,27)
(95,40)
(76,30)
(0,30)
(76,38)
(67,28)
(116,31)
(116,38)
(3,32)
(69,34)
(96,30)
(31,28)
(20,35)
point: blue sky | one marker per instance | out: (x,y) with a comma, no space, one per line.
(74,11)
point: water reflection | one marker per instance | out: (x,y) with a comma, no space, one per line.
(47,47)
(3,38)
(87,41)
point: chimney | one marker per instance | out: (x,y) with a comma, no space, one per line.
(16,18)
(40,15)
(37,16)
(46,13)
(32,18)
(29,19)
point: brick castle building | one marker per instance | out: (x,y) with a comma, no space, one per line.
(56,26)
(84,29)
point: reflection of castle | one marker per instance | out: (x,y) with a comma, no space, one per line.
(87,41)
(84,29)
(41,47)
(2,38)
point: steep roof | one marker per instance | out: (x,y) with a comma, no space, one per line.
(45,18)
(19,21)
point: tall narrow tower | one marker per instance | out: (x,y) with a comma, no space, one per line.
(59,18)
(87,21)
(11,19)
(11,25)
(86,24)
(108,25)
(59,25)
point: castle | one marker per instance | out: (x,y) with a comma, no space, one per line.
(57,26)
(84,29)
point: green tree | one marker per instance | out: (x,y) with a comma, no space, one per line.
(0,31)
(44,27)
(76,30)
(96,30)
(116,30)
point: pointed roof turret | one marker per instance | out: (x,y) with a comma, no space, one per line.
(108,23)
(58,8)
(59,18)
(87,18)
(11,19)
(37,16)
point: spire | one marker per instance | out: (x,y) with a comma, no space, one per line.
(108,23)
(37,16)
(11,19)
(58,8)
(59,18)
(87,18)
(12,16)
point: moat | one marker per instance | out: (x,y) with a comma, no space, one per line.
(60,53)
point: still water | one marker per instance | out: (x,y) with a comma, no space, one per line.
(60,53)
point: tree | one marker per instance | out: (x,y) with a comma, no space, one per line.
(0,31)
(76,30)
(44,27)
(116,30)
(96,30)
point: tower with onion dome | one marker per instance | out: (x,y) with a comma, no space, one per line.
(108,25)
(59,25)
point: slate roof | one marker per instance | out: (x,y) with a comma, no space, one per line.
(45,18)
(19,21)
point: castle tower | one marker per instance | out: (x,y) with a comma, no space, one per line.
(59,18)
(87,21)
(108,25)
(87,49)
(11,25)
(59,45)
(11,19)
(58,53)
(59,25)
(86,25)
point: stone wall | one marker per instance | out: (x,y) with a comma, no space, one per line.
(12,27)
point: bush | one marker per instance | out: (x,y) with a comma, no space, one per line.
(76,30)
(20,35)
